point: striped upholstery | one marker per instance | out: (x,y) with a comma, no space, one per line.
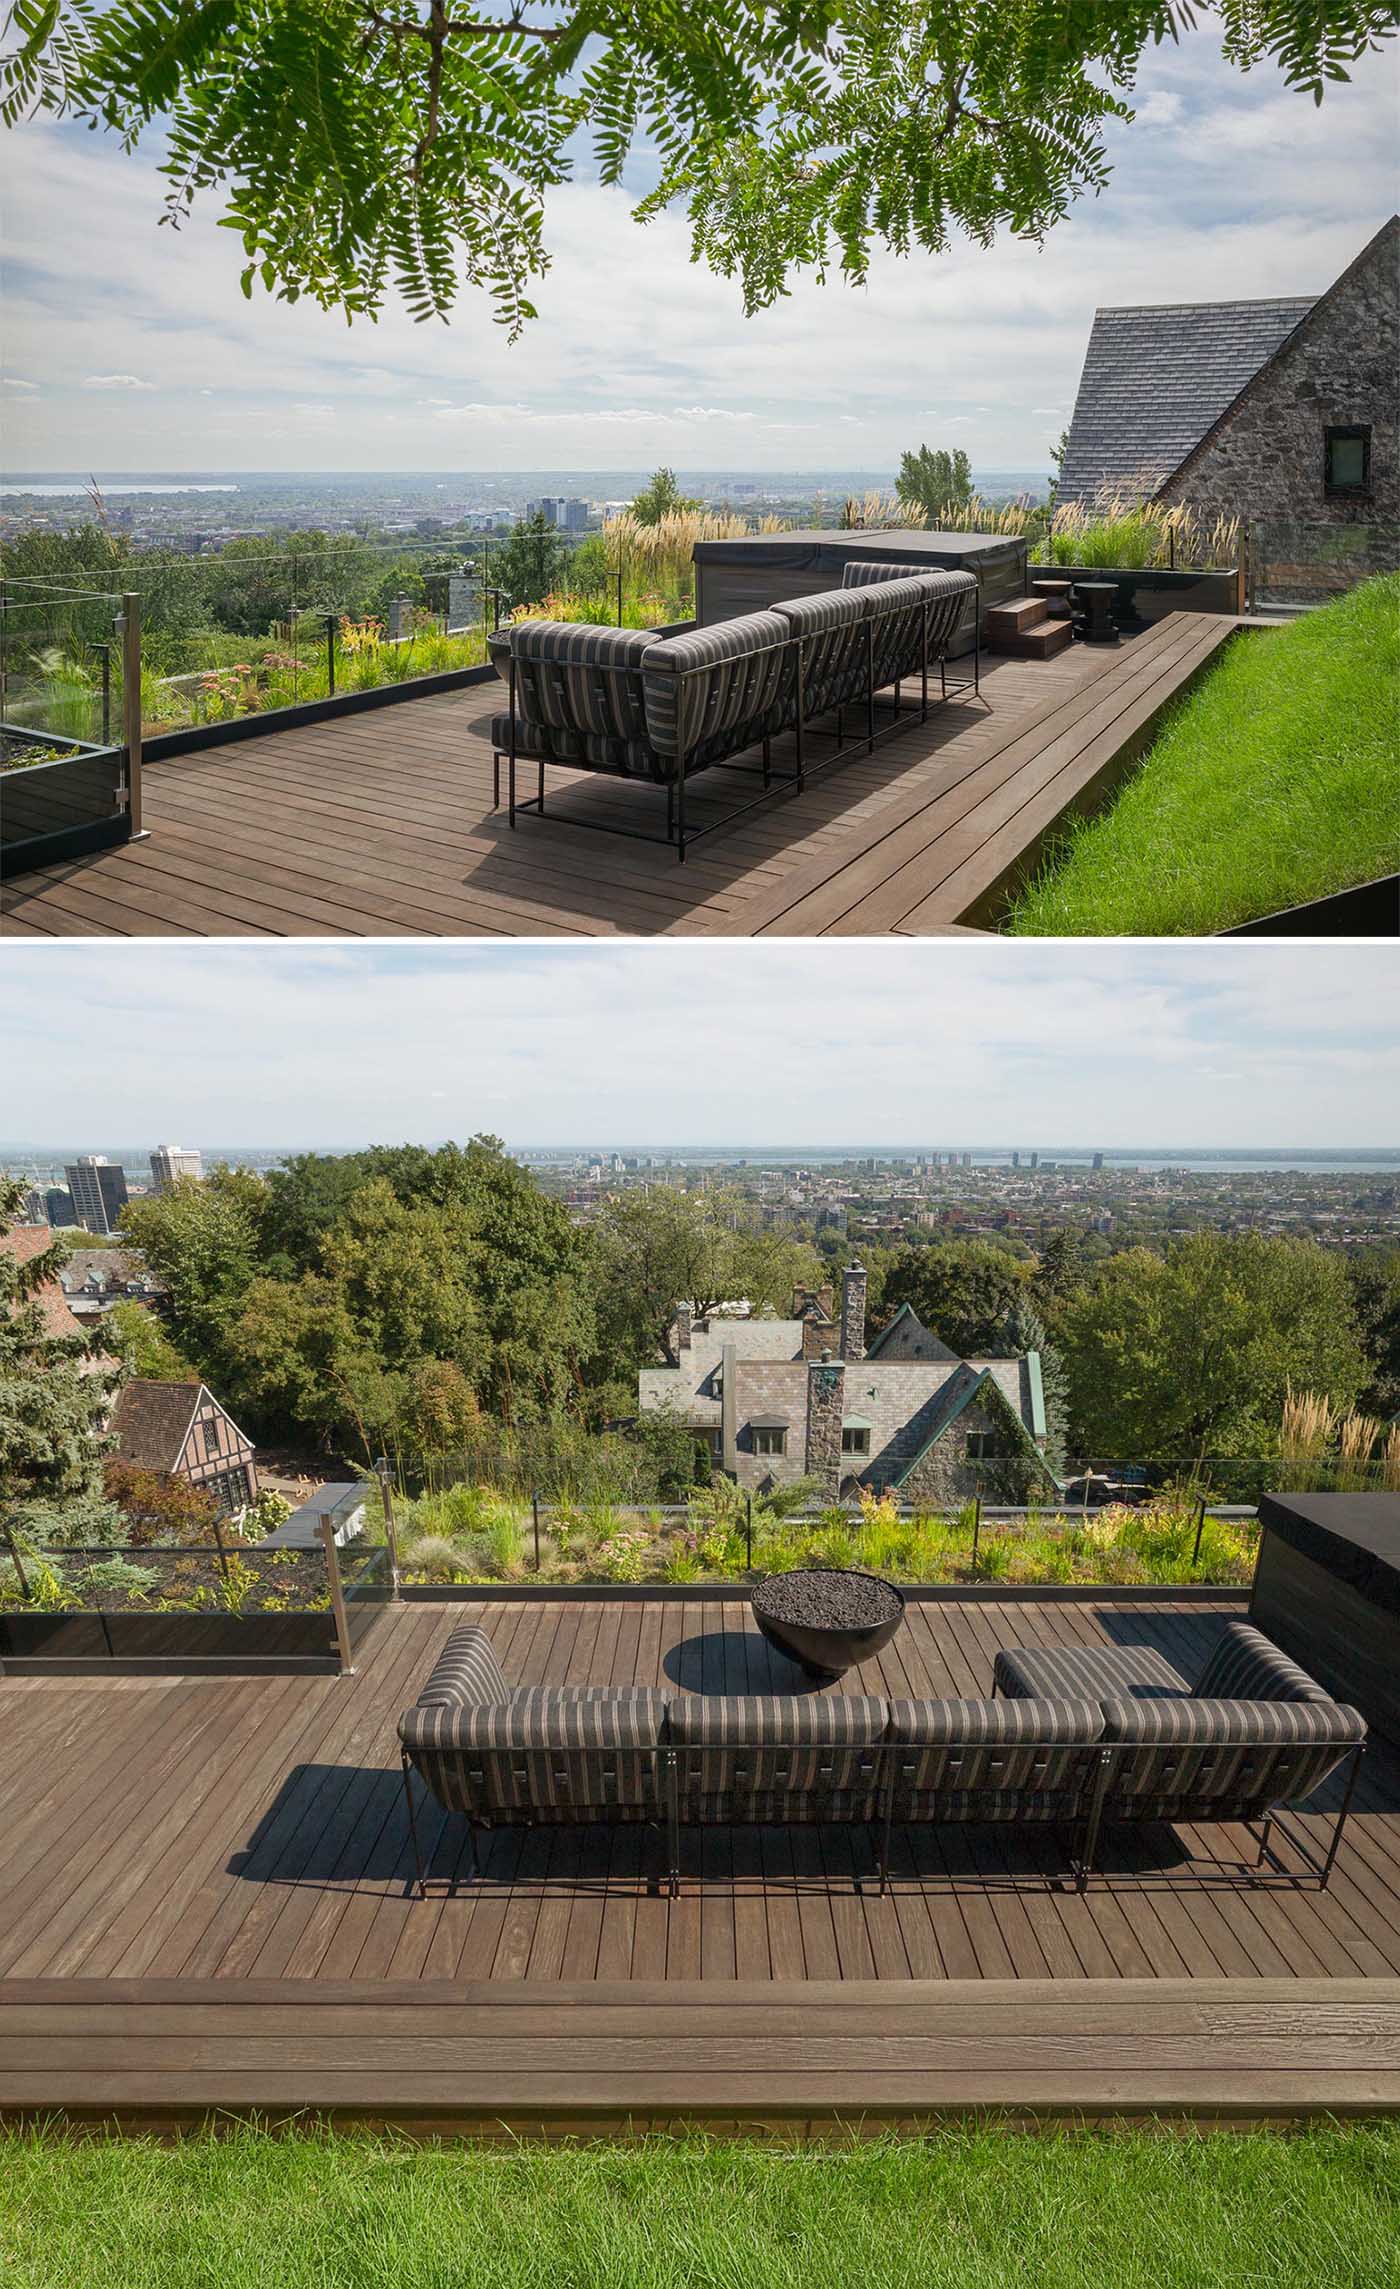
(1222,1760)
(1247,1666)
(717,690)
(580,678)
(501,1761)
(978,1760)
(466,1670)
(1128,1671)
(874,575)
(951,598)
(534,740)
(832,627)
(765,1757)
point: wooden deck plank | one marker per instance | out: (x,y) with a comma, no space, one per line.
(1217,2049)
(382,824)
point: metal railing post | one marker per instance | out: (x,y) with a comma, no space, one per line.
(1200,1529)
(129,625)
(535,1512)
(391,1532)
(748,1530)
(976,1524)
(342,1618)
(330,655)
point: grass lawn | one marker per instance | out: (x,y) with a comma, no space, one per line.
(1277,781)
(976,2209)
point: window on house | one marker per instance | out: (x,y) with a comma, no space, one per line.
(1348,466)
(855,1438)
(211,1436)
(986,1446)
(768,1439)
(230,1489)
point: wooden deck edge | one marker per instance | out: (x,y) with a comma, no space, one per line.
(985,905)
(615,2059)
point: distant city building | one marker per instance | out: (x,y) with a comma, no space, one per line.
(576,516)
(98,1187)
(35,1209)
(1098,1160)
(59,1209)
(170,1161)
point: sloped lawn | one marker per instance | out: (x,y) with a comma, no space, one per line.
(980,2209)
(1277,781)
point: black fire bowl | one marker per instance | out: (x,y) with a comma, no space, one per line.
(786,1608)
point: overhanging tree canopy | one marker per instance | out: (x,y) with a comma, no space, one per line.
(361,148)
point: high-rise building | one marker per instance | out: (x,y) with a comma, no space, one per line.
(575,516)
(34,1211)
(1098,1160)
(1035,1160)
(170,1161)
(98,1186)
(58,1206)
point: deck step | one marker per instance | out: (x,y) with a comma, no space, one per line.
(1014,618)
(1039,642)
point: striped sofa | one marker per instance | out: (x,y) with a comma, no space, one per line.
(663,708)
(1253,1733)
(1072,1736)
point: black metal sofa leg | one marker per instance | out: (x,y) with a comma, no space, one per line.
(418,1870)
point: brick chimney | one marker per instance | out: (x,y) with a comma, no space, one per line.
(853,1283)
(683,1326)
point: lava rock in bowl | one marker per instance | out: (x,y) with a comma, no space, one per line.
(827,1617)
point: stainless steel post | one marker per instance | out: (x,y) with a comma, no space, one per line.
(129,625)
(342,1618)
(391,1533)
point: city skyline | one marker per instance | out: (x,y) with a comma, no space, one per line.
(132,346)
(711,1046)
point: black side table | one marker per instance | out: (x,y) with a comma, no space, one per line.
(1094,599)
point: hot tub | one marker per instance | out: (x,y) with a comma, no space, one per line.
(759,569)
(1327,1589)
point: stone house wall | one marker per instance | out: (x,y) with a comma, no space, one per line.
(1265,462)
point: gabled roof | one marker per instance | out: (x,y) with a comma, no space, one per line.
(1389,231)
(910,1329)
(1156,378)
(151,1421)
(957,1394)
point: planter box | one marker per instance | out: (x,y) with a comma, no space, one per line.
(51,812)
(264,721)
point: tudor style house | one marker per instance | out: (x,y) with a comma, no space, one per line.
(181,1429)
(785,1399)
(1283,413)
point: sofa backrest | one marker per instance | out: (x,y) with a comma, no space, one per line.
(961,1758)
(721,687)
(1247,1666)
(573,677)
(777,1756)
(555,1754)
(947,599)
(1222,1759)
(833,630)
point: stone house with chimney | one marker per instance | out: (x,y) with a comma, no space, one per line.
(779,1400)
(1283,413)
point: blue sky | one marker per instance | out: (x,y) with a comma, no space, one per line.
(953,1042)
(130,347)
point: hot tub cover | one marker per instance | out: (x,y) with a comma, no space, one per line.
(1356,1537)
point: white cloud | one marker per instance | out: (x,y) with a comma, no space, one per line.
(114,381)
(13,381)
(639,354)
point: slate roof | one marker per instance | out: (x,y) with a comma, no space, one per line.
(1156,378)
(151,1422)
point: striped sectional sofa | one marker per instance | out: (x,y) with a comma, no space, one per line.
(663,708)
(1071,1737)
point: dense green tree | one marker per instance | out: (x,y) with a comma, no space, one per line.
(530,562)
(660,497)
(204,1242)
(936,482)
(964,1291)
(798,135)
(1178,1356)
(132,1333)
(1375,1282)
(1062,1266)
(54,1399)
(662,1246)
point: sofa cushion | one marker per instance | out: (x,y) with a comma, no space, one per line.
(465,1671)
(872,575)
(777,1756)
(1247,1666)
(1129,1671)
(1230,1759)
(538,741)
(950,1748)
